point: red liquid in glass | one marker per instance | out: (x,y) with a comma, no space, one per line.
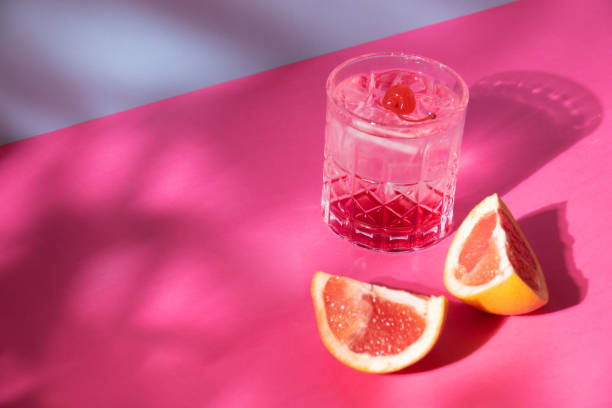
(389,222)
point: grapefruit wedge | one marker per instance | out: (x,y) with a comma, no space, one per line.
(373,328)
(491,266)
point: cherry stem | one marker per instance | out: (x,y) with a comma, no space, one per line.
(430,115)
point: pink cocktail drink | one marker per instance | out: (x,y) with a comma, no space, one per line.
(390,168)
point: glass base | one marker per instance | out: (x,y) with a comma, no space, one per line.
(403,239)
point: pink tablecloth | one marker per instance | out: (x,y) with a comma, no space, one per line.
(161,257)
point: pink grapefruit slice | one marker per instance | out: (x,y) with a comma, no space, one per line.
(373,328)
(491,266)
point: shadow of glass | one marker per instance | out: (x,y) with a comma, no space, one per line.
(465,331)
(547,232)
(517,122)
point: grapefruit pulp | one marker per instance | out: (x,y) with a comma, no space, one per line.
(373,328)
(491,266)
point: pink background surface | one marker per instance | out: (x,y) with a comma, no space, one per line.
(162,256)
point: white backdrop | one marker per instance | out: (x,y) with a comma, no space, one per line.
(66,61)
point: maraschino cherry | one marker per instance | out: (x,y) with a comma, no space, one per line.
(401,100)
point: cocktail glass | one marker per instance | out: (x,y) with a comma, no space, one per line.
(390,168)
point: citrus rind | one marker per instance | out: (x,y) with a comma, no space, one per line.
(433,309)
(506,293)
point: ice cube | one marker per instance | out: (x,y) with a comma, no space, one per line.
(363,94)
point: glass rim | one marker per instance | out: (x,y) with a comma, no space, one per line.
(462,106)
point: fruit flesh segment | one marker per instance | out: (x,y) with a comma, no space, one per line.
(479,259)
(367,323)
(519,255)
